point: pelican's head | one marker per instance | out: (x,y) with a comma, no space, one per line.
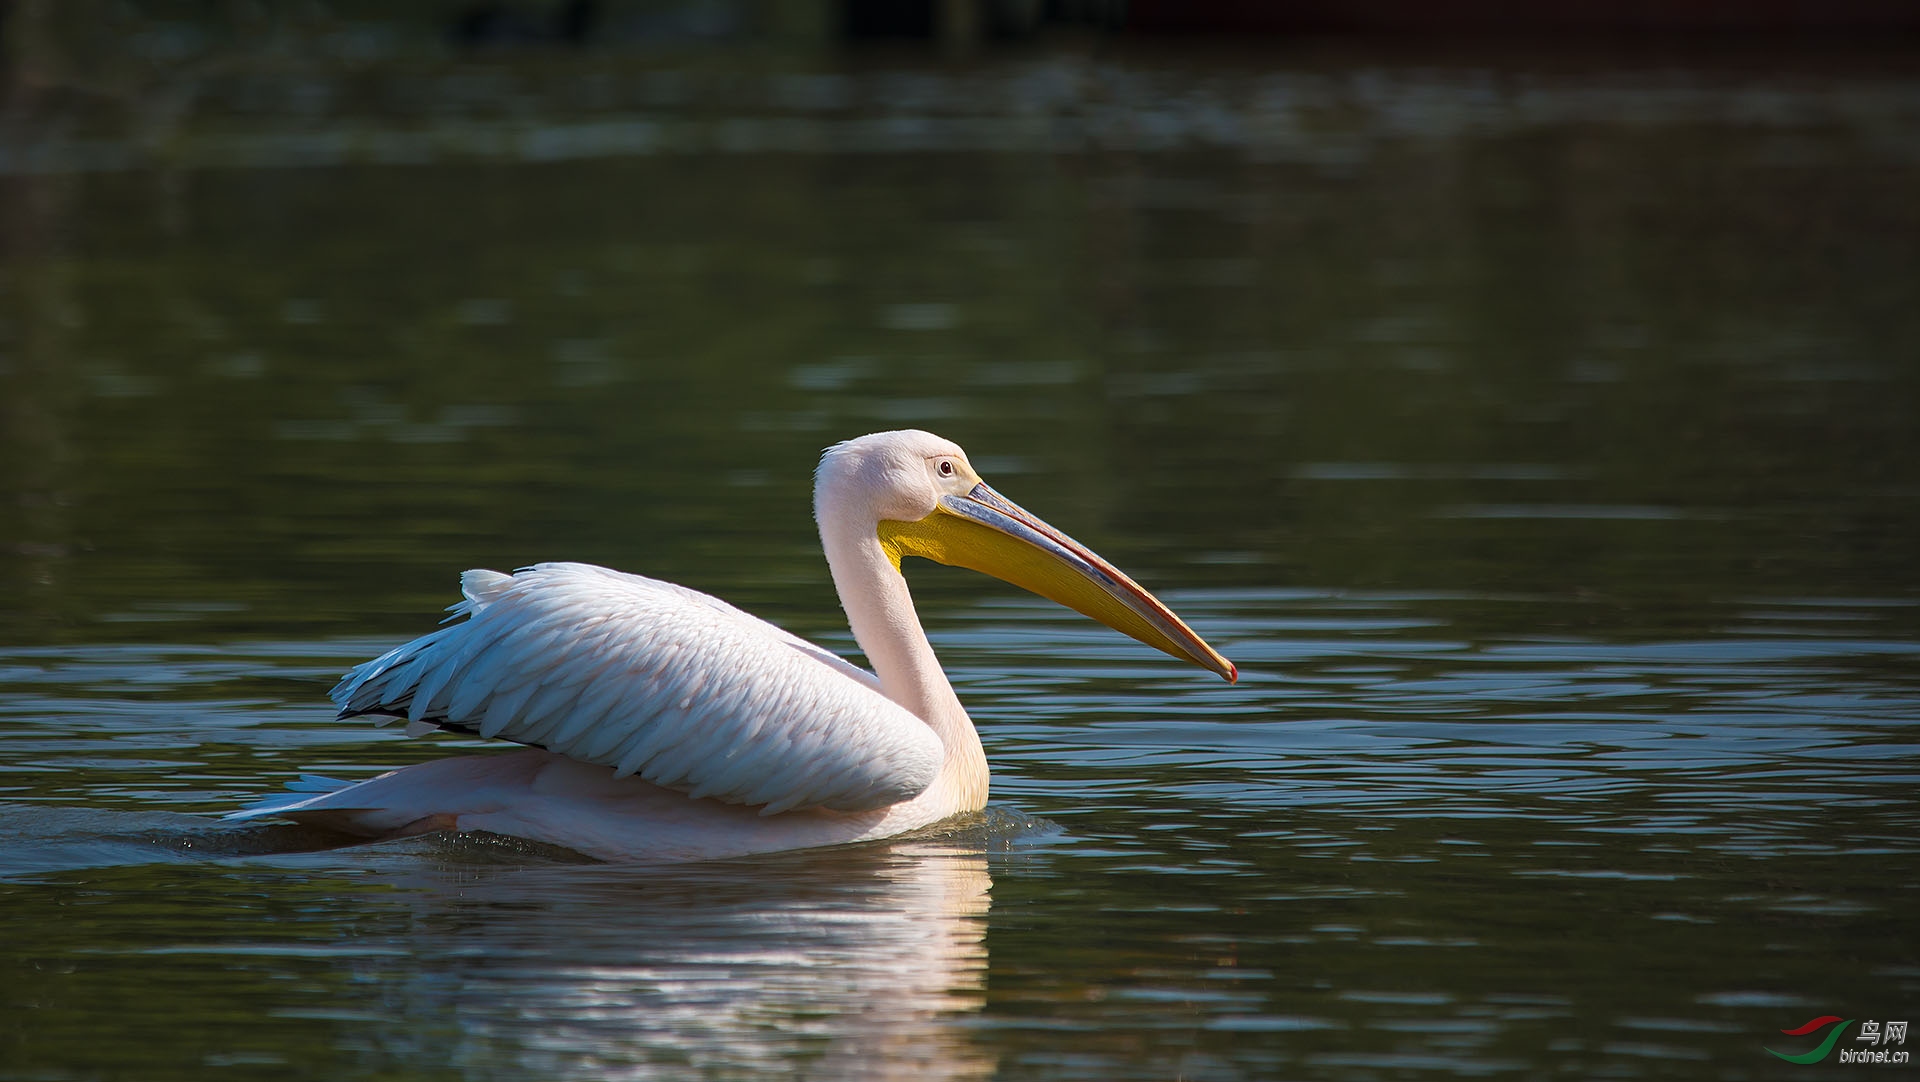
(921,497)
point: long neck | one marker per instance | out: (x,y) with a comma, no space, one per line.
(881,613)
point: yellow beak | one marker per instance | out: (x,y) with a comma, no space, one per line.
(989,533)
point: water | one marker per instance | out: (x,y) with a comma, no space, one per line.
(1538,438)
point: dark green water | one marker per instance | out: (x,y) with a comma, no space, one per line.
(1540,440)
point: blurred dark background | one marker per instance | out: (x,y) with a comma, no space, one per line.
(303,307)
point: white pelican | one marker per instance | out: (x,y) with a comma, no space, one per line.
(664,724)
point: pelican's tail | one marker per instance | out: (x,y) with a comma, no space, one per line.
(346,806)
(299,791)
(412,800)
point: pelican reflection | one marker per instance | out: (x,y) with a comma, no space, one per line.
(833,964)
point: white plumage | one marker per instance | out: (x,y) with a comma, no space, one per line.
(650,678)
(671,725)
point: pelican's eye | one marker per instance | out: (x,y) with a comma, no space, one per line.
(946,467)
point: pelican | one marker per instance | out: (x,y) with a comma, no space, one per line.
(662,724)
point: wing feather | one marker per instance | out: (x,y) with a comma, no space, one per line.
(498,711)
(630,756)
(653,679)
(593,704)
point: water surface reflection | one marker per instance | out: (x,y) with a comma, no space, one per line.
(849,965)
(486,958)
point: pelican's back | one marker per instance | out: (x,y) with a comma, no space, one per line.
(656,680)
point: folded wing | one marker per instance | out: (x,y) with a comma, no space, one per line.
(655,680)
